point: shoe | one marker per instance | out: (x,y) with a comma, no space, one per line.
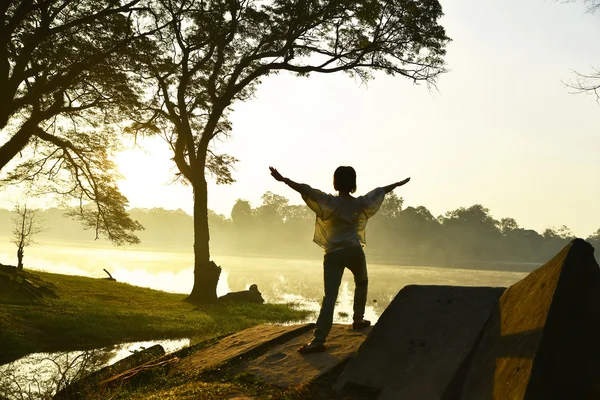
(363,323)
(311,348)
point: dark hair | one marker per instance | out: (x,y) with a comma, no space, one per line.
(344,179)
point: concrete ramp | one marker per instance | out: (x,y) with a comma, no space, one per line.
(283,366)
(421,340)
(543,341)
(239,344)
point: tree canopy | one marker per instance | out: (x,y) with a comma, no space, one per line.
(213,54)
(66,85)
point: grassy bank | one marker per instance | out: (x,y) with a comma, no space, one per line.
(91,313)
(225,383)
(159,381)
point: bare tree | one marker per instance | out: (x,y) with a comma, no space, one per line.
(588,82)
(27,225)
(593,5)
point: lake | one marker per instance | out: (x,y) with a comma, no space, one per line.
(281,280)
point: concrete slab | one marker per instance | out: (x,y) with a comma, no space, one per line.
(237,345)
(283,366)
(542,340)
(420,341)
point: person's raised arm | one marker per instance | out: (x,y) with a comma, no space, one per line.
(278,177)
(393,186)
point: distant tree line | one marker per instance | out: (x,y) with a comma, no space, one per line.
(465,237)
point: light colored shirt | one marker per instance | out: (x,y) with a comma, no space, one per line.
(341,222)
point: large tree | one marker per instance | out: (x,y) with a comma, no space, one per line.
(65,87)
(214,53)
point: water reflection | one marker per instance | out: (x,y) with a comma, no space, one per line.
(280,280)
(343,307)
(41,375)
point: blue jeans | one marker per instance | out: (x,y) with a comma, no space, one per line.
(334,263)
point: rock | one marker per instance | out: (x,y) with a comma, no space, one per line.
(420,340)
(542,342)
(252,295)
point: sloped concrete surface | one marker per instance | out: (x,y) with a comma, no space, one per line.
(236,345)
(542,340)
(420,341)
(283,366)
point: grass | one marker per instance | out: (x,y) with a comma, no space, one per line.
(90,313)
(224,381)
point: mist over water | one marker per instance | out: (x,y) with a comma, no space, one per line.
(279,279)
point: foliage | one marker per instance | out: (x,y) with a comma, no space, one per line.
(66,86)
(211,55)
(391,206)
(241,213)
(412,235)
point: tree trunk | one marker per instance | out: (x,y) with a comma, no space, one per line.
(206,272)
(20,258)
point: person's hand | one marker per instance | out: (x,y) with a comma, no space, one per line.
(275,174)
(403,182)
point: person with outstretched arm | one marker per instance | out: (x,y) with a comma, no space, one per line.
(340,231)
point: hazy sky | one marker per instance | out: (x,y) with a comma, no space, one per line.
(502,129)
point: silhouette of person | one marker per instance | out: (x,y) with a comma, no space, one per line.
(340,231)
